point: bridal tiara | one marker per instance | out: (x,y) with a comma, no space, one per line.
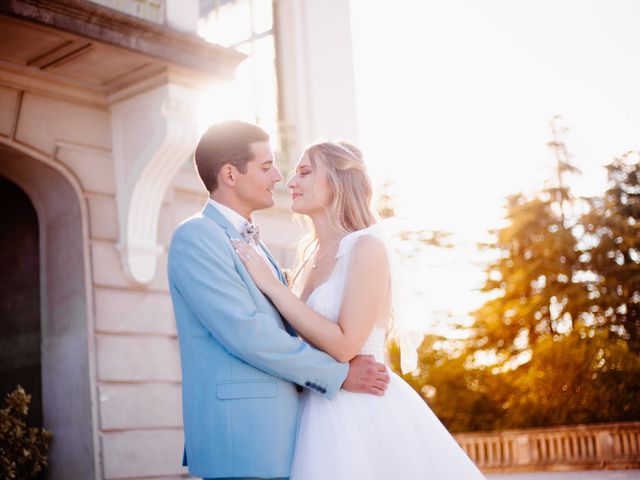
(344,148)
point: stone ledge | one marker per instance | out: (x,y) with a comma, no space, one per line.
(109,26)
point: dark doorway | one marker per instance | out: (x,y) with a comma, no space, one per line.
(20,338)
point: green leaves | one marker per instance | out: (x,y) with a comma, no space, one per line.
(23,449)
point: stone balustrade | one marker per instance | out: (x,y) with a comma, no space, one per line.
(610,445)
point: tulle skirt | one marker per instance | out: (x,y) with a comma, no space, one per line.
(357,436)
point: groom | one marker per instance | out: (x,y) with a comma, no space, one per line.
(242,364)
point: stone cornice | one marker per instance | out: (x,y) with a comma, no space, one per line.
(108,26)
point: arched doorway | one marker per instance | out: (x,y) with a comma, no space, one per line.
(20,297)
(66,342)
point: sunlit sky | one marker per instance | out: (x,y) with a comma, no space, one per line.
(454,103)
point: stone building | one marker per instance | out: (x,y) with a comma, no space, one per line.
(98,123)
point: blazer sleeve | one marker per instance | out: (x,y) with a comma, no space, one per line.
(202,270)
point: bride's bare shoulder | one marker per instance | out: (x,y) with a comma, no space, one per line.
(369,251)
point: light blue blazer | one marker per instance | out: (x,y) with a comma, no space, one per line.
(240,360)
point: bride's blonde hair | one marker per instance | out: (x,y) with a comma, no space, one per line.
(350,192)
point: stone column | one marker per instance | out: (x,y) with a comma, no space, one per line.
(315,56)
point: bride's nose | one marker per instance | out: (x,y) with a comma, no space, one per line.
(291,183)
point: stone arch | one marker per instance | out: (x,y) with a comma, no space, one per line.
(67,348)
(20,359)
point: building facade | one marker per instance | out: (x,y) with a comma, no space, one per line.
(98,123)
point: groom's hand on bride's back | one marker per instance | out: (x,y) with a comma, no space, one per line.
(366,376)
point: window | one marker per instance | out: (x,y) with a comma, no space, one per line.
(247,26)
(150,10)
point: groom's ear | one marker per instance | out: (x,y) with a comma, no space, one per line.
(227,175)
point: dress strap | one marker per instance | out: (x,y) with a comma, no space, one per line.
(348,241)
(402,324)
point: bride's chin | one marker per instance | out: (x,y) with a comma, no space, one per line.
(295,209)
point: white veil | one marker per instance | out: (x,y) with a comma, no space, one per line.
(402,328)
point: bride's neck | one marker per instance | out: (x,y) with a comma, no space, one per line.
(327,234)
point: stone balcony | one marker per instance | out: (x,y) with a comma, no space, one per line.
(579,447)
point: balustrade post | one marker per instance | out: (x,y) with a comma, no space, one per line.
(522,450)
(604,447)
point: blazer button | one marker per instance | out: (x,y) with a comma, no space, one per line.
(307,384)
(324,390)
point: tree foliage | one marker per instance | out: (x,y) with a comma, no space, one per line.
(611,251)
(558,339)
(23,449)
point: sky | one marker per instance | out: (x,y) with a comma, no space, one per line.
(454,103)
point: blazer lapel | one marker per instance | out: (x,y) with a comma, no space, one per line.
(287,325)
(273,262)
(214,214)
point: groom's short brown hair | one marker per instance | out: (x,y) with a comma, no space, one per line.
(226,142)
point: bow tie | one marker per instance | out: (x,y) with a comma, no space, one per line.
(251,233)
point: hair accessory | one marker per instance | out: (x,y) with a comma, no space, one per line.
(344,148)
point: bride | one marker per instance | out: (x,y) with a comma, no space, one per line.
(344,309)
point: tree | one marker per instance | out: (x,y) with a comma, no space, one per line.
(611,252)
(558,340)
(533,283)
(23,449)
(575,379)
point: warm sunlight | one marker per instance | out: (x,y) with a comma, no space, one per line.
(454,105)
(252,97)
(455,100)
(320,239)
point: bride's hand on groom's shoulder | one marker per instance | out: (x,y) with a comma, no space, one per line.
(366,376)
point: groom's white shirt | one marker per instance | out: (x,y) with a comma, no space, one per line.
(238,222)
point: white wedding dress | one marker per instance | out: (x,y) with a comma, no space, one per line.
(359,436)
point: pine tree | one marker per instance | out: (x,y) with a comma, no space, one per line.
(533,280)
(558,341)
(612,252)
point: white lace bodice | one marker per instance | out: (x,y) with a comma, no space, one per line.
(326,299)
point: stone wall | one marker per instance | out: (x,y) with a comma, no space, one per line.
(138,363)
(130,327)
